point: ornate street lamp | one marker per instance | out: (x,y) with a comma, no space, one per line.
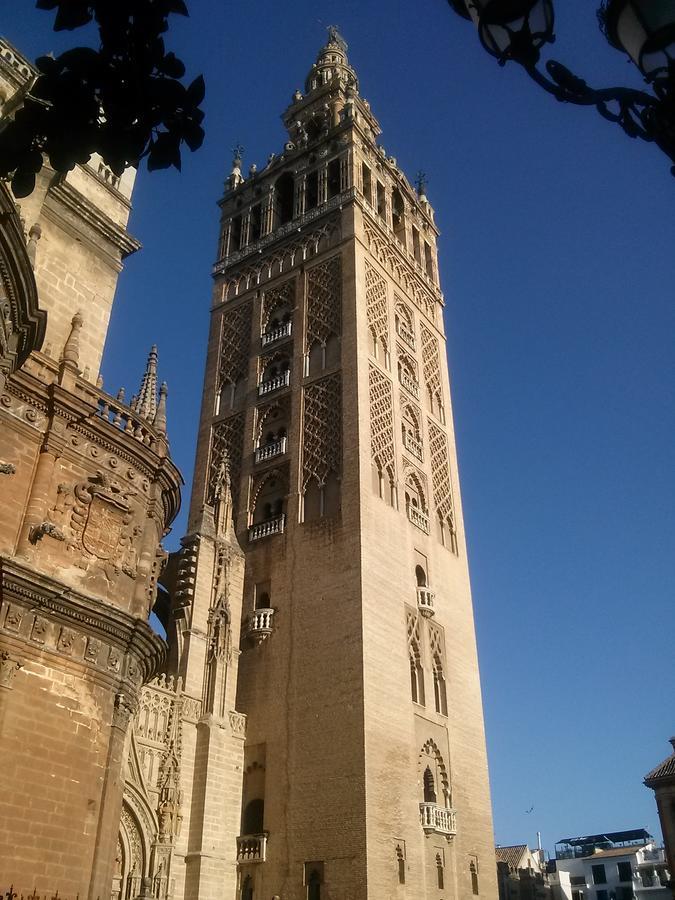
(516,30)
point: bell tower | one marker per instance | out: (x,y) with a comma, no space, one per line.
(327,414)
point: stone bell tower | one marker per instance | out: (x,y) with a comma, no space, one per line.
(327,412)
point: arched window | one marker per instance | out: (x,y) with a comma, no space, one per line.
(333,178)
(284,190)
(269,500)
(247,888)
(440,693)
(416,673)
(410,431)
(253,817)
(254,223)
(398,216)
(473,869)
(429,786)
(420,576)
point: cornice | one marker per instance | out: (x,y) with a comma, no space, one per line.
(76,203)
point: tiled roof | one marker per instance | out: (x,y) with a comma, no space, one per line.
(666,769)
(616,851)
(511,855)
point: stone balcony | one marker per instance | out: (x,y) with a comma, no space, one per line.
(409,383)
(274,384)
(276,334)
(260,623)
(425,601)
(251,848)
(406,335)
(439,819)
(413,445)
(418,518)
(267,528)
(271,450)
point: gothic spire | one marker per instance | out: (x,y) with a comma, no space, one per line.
(145,402)
(160,415)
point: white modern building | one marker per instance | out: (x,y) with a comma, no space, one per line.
(620,865)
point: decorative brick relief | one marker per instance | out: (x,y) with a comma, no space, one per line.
(381,422)
(431,366)
(284,295)
(440,474)
(324,301)
(376,306)
(322,430)
(226,451)
(235,345)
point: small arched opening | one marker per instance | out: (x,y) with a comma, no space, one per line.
(284,190)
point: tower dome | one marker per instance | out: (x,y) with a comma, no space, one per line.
(331,63)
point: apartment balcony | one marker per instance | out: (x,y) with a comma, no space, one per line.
(276,334)
(269,451)
(267,528)
(251,848)
(409,383)
(274,384)
(418,518)
(406,335)
(412,444)
(438,819)
(425,601)
(260,624)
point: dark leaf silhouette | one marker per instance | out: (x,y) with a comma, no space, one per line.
(124,100)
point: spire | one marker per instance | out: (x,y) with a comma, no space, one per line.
(145,403)
(235,178)
(70,357)
(160,415)
(332,63)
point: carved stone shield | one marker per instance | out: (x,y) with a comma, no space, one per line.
(103,529)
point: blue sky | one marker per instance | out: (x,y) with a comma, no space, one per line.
(557,264)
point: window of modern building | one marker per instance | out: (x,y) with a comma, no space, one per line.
(625,870)
(599,875)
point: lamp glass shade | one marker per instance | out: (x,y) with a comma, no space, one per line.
(503,22)
(646,31)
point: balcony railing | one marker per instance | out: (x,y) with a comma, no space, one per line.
(413,444)
(267,528)
(425,601)
(269,451)
(418,518)
(251,848)
(260,623)
(438,818)
(409,383)
(276,334)
(274,383)
(406,335)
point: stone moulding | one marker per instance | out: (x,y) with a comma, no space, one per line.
(22,324)
(38,613)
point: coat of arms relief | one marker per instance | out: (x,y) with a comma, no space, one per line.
(99,522)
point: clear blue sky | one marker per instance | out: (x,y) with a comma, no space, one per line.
(557,262)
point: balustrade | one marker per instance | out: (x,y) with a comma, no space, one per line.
(438,818)
(251,848)
(425,601)
(418,518)
(413,444)
(276,334)
(260,623)
(269,451)
(405,333)
(409,383)
(267,528)
(274,383)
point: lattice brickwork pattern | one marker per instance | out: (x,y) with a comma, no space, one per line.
(381,421)
(436,646)
(413,629)
(376,306)
(226,450)
(322,430)
(431,363)
(324,301)
(284,295)
(235,343)
(440,473)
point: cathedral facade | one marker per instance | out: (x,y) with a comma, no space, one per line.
(316,730)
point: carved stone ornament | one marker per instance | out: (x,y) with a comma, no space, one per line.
(8,669)
(97,519)
(123,711)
